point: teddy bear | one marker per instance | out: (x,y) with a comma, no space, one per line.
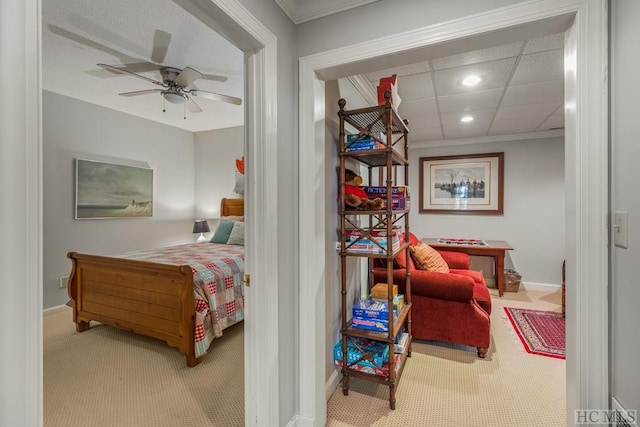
(355,198)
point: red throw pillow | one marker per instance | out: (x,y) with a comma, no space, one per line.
(427,258)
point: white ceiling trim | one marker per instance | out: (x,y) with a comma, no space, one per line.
(365,88)
(300,11)
(557,133)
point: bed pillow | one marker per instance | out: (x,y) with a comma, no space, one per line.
(237,234)
(427,258)
(223,230)
(233,218)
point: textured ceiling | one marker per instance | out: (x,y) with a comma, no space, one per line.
(521,91)
(78,34)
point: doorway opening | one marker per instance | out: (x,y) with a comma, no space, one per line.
(586,32)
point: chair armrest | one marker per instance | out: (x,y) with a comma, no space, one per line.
(445,286)
(458,260)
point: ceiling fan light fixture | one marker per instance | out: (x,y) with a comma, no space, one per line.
(466,119)
(471,80)
(174,97)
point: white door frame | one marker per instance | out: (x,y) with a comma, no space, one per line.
(262,402)
(21,159)
(586,202)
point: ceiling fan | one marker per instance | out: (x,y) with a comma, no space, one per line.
(176,87)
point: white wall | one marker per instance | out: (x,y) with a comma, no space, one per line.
(383,18)
(73,129)
(215,167)
(625,175)
(534,208)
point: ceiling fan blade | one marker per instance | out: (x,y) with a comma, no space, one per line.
(91,43)
(123,71)
(161,41)
(192,107)
(187,76)
(140,67)
(214,78)
(216,96)
(141,92)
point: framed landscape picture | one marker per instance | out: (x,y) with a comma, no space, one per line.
(108,190)
(470,184)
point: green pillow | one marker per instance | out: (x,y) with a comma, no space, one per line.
(221,235)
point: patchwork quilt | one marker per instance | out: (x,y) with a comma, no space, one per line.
(217,288)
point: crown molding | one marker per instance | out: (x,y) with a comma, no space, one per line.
(558,133)
(364,88)
(300,11)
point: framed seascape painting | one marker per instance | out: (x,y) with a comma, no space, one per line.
(471,184)
(108,190)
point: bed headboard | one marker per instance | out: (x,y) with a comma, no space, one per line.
(232,207)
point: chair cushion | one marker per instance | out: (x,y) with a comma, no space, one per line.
(427,258)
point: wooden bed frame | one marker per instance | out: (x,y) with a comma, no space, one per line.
(151,299)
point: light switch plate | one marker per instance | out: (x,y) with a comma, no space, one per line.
(63,281)
(620,229)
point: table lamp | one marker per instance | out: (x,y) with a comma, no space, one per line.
(201,226)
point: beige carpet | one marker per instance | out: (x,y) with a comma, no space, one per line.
(448,385)
(109,377)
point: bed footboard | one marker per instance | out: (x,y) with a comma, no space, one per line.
(150,299)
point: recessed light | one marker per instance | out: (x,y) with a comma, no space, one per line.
(471,80)
(466,119)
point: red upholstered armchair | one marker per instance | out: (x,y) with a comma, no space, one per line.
(450,307)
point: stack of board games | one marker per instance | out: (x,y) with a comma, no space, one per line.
(373,314)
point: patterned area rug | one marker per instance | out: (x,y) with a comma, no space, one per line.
(541,332)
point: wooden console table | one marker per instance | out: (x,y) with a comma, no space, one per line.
(494,248)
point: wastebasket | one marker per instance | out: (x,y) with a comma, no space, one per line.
(511,280)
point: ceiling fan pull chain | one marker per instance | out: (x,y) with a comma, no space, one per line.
(184,108)
(164,105)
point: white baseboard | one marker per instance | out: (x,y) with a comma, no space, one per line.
(332,383)
(56,308)
(330,387)
(533,286)
(293,422)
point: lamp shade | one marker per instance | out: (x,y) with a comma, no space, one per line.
(201,226)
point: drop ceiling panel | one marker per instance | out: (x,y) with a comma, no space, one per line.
(467,130)
(540,67)
(477,100)
(515,111)
(426,134)
(522,124)
(415,87)
(534,93)
(550,42)
(474,57)
(451,120)
(554,121)
(421,113)
(494,75)
(522,90)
